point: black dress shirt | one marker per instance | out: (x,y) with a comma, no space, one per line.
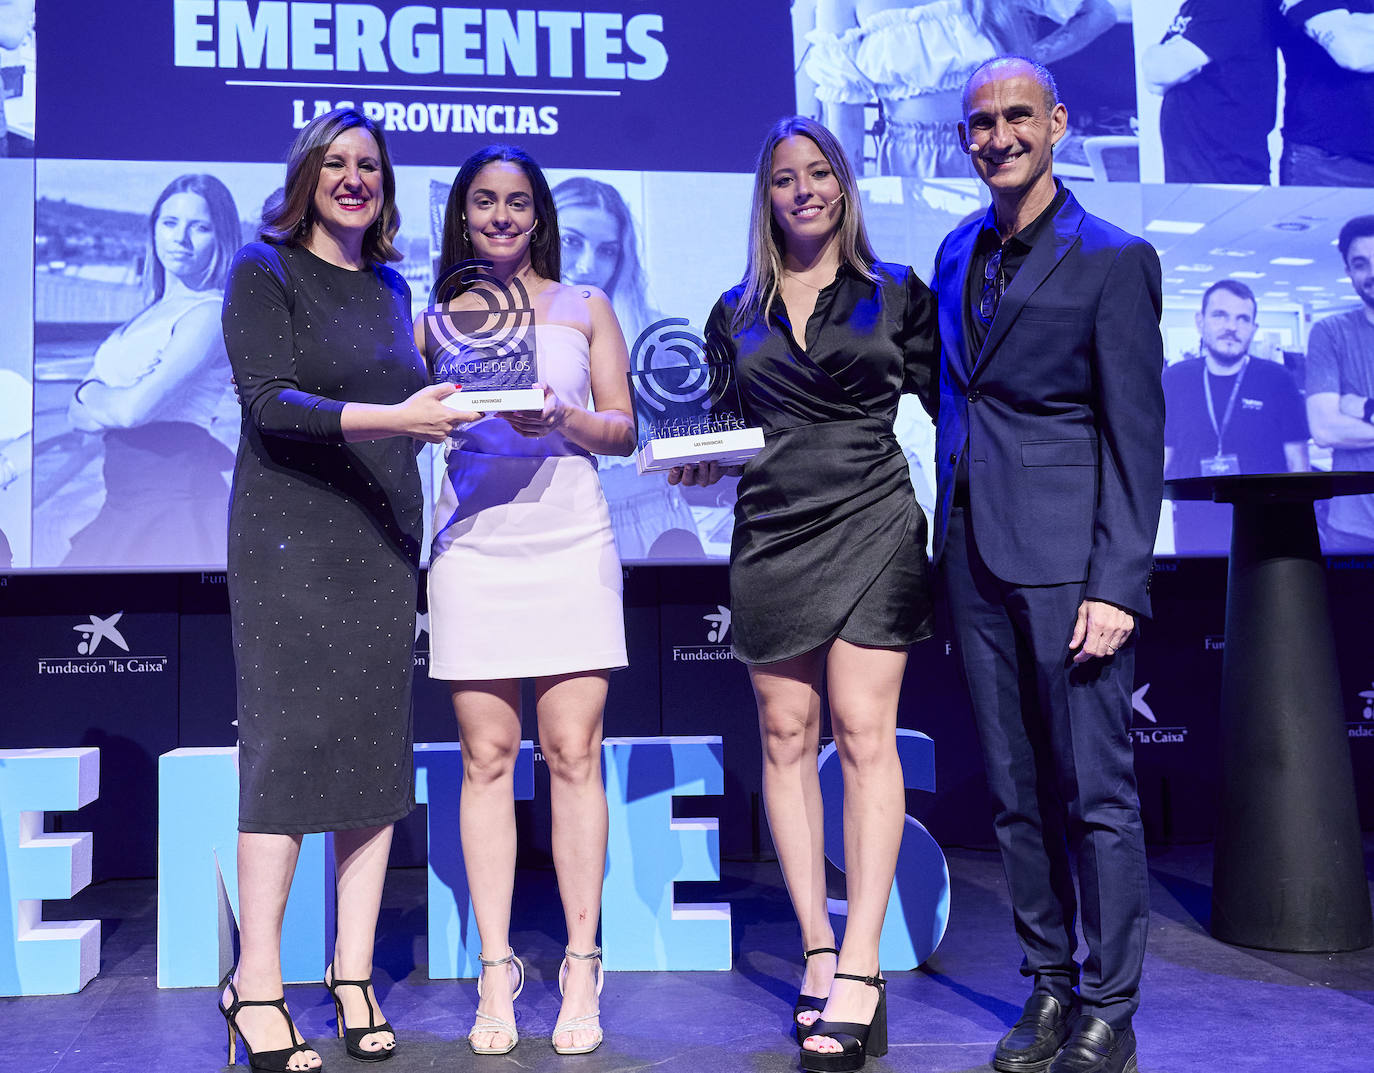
(1014,253)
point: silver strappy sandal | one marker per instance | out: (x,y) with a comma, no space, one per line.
(487,1022)
(587,1022)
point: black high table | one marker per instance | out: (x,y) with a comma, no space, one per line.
(1288,871)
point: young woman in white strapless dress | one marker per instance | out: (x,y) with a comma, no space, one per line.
(524,582)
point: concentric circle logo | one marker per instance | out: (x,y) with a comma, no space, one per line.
(493,324)
(672,366)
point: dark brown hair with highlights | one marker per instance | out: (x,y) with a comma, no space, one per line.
(288,220)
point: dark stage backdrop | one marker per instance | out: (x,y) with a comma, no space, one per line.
(173,686)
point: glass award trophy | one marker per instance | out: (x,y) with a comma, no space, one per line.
(480,334)
(687,407)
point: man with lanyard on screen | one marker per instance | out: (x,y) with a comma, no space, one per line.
(1328,55)
(1217,68)
(1226,412)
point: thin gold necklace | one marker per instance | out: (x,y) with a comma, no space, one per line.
(805,283)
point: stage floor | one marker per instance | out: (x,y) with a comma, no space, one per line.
(1207,1007)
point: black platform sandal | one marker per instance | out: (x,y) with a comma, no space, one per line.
(353,1037)
(857,1042)
(263,1061)
(809,1003)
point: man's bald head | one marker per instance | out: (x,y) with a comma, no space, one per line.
(1000,67)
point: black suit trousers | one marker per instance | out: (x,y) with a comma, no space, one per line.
(1056,740)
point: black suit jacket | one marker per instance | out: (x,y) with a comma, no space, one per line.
(1061,413)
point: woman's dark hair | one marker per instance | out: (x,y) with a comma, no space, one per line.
(289,219)
(545,246)
(224,222)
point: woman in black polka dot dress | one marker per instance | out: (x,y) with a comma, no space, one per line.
(324,539)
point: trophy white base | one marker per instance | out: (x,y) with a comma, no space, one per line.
(523,398)
(727,448)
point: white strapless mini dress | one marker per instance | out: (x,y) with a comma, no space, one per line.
(524,578)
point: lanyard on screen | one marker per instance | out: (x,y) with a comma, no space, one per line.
(1220,429)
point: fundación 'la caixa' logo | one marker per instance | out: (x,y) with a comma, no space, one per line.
(420,654)
(716,631)
(1153,733)
(1364,726)
(101,648)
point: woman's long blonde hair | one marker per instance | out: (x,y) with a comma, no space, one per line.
(763,272)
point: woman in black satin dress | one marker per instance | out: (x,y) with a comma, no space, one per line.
(828,571)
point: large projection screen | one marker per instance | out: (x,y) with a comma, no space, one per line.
(1195,124)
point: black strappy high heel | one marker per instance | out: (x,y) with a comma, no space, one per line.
(857,1042)
(353,1037)
(809,1003)
(262,1061)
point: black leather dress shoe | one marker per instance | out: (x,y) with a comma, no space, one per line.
(1096,1047)
(1036,1037)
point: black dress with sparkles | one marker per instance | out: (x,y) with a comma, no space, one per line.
(829,540)
(324,543)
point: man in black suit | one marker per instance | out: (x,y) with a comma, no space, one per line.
(1049,450)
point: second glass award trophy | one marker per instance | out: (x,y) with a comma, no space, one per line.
(480,334)
(687,407)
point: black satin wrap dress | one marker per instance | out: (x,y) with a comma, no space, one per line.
(829,540)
